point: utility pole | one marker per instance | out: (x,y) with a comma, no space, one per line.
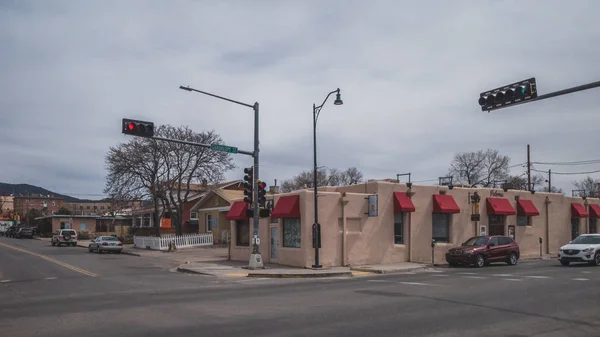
(528,168)
(549,180)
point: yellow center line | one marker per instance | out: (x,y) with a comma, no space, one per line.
(49,259)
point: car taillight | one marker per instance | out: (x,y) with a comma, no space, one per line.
(120,244)
(105,243)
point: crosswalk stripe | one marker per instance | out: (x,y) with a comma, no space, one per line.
(4,281)
(503,275)
(475,277)
(581,279)
(512,279)
(535,276)
(467,273)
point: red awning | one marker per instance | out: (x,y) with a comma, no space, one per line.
(444,203)
(499,206)
(526,208)
(287,207)
(594,211)
(237,211)
(578,211)
(402,203)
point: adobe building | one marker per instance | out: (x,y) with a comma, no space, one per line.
(385,222)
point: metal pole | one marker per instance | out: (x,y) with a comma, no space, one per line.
(550,181)
(255,182)
(528,169)
(316,232)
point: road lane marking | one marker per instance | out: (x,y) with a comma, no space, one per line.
(581,279)
(440,275)
(50,278)
(535,276)
(475,277)
(586,272)
(417,283)
(512,279)
(382,281)
(467,273)
(49,259)
(502,275)
(4,281)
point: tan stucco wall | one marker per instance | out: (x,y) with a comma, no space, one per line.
(369,240)
(76,225)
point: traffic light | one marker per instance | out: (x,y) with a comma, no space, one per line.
(262,193)
(138,128)
(504,96)
(249,185)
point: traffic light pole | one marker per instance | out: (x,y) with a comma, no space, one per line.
(255,257)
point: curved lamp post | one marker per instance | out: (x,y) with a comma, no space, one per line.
(316,225)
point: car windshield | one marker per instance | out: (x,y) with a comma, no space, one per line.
(109,238)
(480,241)
(69,232)
(587,240)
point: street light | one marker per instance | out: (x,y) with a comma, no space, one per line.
(316,225)
(255,258)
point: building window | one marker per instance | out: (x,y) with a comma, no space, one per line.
(82,226)
(193,215)
(523,220)
(399,228)
(88,207)
(593,228)
(291,232)
(441,227)
(242,233)
(208,223)
(101,207)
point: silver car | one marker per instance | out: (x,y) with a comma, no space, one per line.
(105,244)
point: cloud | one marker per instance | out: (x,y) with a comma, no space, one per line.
(410,75)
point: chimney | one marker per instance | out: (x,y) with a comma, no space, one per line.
(274,189)
(204,182)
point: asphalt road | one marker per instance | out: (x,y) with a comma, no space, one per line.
(51,291)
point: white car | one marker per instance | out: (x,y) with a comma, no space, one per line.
(584,248)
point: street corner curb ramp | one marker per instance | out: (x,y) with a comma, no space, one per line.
(300,274)
(389,270)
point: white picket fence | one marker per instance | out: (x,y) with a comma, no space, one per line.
(181,241)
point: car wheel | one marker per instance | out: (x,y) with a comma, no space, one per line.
(89,249)
(597,259)
(98,250)
(74,244)
(53,243)
(512,259)
(479,261)
(565,263)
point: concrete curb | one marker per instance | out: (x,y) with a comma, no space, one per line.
(292,275)
(190,271)
(394,271)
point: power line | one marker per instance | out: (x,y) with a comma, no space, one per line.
(517,165)
(568,173)
(581,162)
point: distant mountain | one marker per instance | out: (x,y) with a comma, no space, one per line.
(26,189)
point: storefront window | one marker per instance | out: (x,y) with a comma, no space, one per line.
(291,232)
(523,220)
(242,230)
(441,227)
(593,228)
(398,228)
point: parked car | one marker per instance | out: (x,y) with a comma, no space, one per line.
(11,232)
(25,232)
(106,244)
(482,250)
(64,237)
(584,248)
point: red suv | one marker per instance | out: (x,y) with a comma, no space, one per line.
(481,250)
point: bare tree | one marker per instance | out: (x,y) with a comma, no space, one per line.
(136,170)
(481,168)
(520,183)
(164,171)
(187,165)
(331,177)
(588,186)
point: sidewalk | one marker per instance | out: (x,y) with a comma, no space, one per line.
(240,269)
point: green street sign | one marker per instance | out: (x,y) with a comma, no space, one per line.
(224,148)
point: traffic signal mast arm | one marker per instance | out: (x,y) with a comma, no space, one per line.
(249,153)
(490,100)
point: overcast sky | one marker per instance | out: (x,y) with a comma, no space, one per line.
(410,73)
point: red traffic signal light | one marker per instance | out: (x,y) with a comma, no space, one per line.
(262,185)
(138,128)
